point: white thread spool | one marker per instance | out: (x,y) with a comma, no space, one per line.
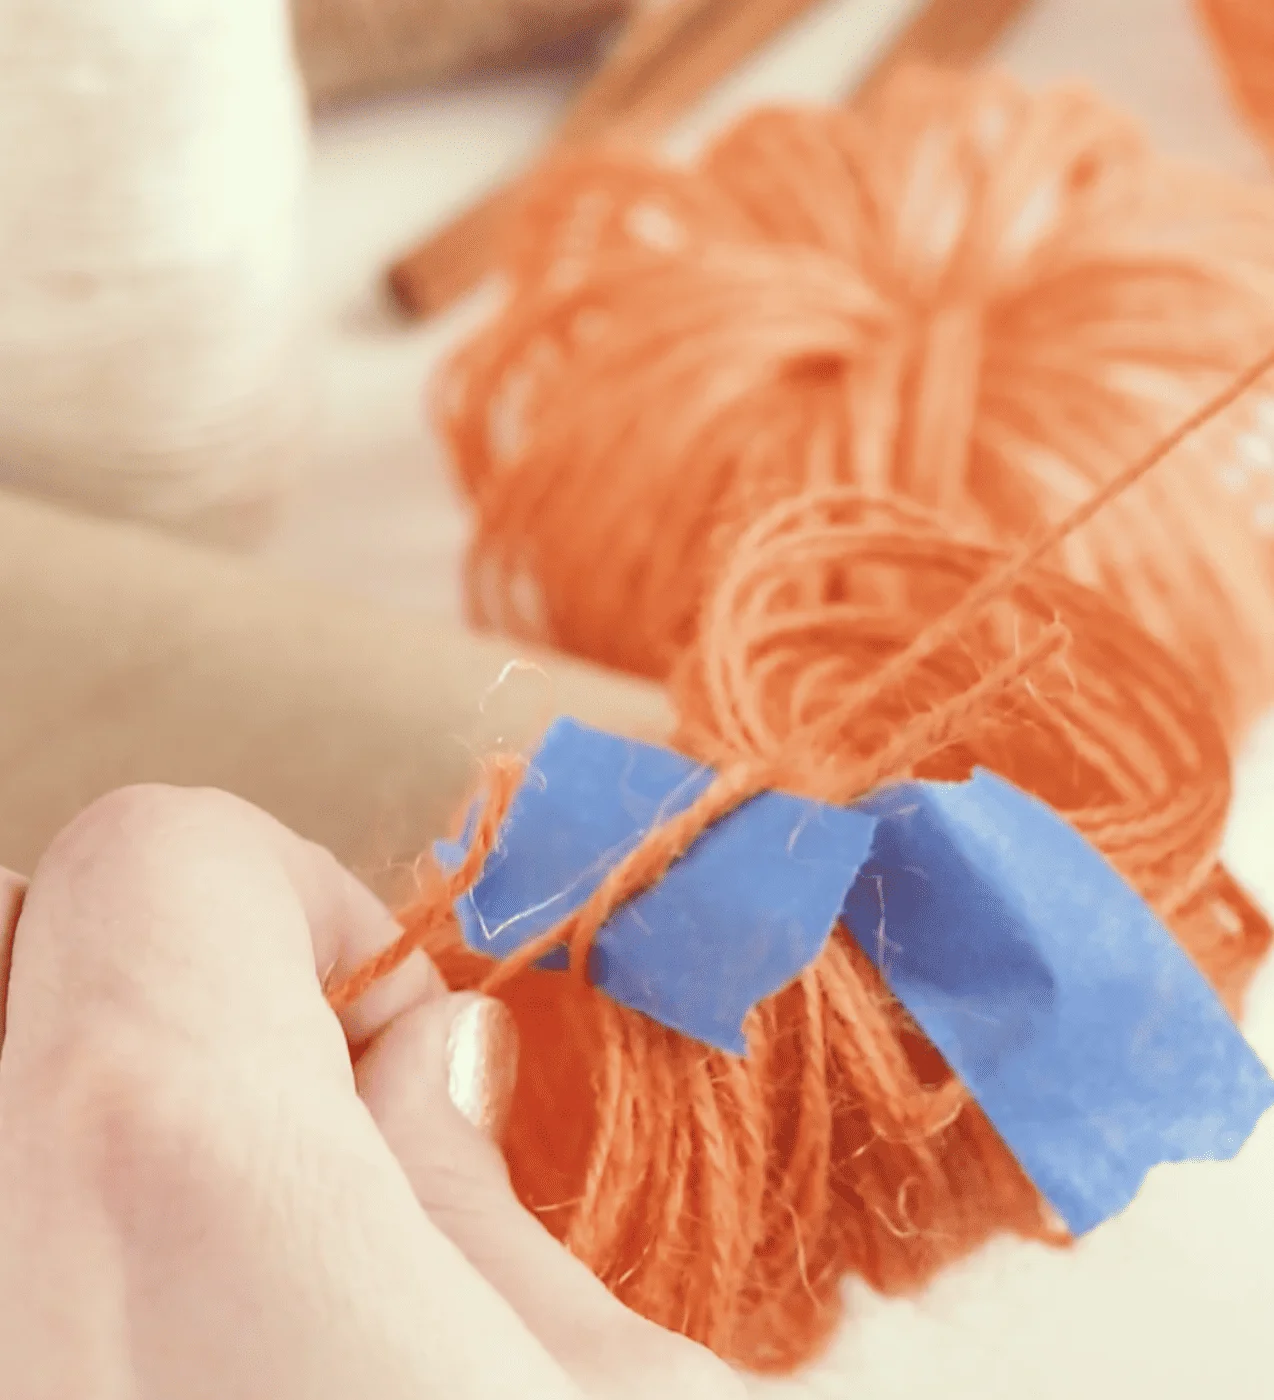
(152,156)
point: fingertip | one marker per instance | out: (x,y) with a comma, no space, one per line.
(249,903)
(411,984)
(350,925)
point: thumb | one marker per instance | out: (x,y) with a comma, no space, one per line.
(13,889)
(438,1081)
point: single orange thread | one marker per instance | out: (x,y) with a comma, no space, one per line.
(1243,33)
(983,300)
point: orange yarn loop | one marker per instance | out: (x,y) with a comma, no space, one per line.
(1243,32)
(982,300)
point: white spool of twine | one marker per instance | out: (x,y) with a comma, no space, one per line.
(152,158)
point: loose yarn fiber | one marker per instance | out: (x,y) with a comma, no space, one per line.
(1243,34)
(980,299)
(845,642)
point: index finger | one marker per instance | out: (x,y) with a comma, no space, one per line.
(203,915)
(193,930)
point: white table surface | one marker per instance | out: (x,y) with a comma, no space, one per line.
(1174,1299)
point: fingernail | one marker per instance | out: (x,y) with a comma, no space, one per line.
(482,1063)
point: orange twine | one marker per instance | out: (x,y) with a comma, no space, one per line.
(1243,33)
(980,299)
(845,642)
(770,430)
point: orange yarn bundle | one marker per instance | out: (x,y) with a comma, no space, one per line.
(1243,33)
(728,1198)
(775,430)
(982,300)
(845,642)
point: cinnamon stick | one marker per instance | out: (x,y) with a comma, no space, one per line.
(726,37)
(953,33)
(669,59)
(635,63)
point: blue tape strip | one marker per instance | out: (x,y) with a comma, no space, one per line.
(1078,1023)
(743,913)
(1085,1033)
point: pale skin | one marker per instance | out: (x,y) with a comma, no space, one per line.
(215,1188)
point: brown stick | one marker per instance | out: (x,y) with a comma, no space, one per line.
(954,33)
(452,261)
(635,64)
(726,37)
(670,58)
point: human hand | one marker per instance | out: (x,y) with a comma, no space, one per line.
(213,1186)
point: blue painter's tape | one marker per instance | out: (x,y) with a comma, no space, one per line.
(1088,1037)
(742,914)
(1090,1040)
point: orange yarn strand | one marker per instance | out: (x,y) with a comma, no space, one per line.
(1243,33)
(504,774)
(984,300)
(996,582)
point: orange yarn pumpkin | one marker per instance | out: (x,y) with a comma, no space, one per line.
(983,300)
(1243,32)
(727,1198)
(770,430)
